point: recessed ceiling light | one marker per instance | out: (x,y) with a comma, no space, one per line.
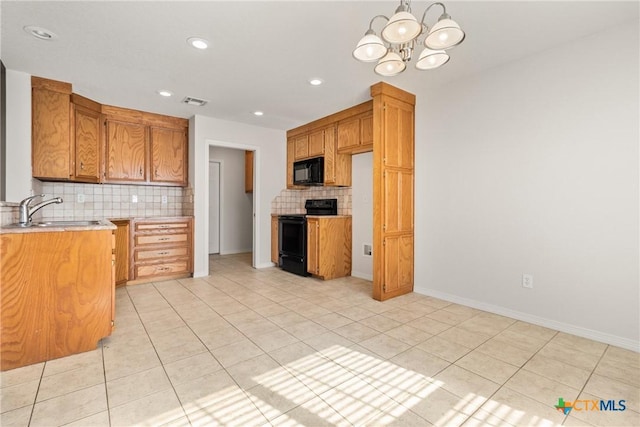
(40,33)
(165,93)
(198,43)
(258,113)
(315,82)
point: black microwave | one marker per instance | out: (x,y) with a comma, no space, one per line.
(309,172)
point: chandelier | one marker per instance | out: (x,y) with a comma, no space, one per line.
(401,34)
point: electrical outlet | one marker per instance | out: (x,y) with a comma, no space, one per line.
(527,281)
(80,198)
(367,250)
(134,199)
(164,200)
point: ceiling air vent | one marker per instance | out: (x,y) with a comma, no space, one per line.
(189,100)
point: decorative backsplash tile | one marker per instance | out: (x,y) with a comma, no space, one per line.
(8,213)
(292,201)
(98,201)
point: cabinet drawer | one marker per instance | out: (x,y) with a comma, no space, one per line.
(161,226)
(161,253)
(163,269)
(160,239)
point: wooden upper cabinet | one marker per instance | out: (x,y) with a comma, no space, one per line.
(86,133)
(337,167)
(355,134)
(51,122)
(291,158)
(168,156)
(77,139)
(145,147)
(126,152)
(301,144)
(316,143)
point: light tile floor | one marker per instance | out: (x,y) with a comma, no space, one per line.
(252,347)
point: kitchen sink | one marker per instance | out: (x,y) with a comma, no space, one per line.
(66,223)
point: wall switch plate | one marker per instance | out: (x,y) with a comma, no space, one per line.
(134,199)
(80,198)
(164,200)
(527,281)
(367,250)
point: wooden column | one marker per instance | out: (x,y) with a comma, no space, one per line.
(393,191)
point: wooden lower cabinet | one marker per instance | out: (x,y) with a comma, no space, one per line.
(329,246)
(122,251)
(275,255)
(162,248)
(57,294)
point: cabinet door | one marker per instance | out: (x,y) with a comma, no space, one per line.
(366,132)
(302,147)
(313,246)
(126,152)
(168,156)
(274,240)
(86,131)
(51,139)
(316,143)
(330,157)
(348,134)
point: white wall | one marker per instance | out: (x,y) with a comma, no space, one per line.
(18,128)
(362,214)
(269,175)
(236,206)
(532,168)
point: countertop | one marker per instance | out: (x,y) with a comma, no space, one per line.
(103,225)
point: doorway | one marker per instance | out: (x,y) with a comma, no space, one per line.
(215,184)
(231,206)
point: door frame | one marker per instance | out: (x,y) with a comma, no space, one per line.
(256,191)
(220,198)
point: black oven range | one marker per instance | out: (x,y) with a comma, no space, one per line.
(292,235)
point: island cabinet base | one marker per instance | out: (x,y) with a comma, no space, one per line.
(57,294)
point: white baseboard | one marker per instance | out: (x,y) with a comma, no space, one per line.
(265,265)
(197,274)
(606,338)
(364,276)
(234,251)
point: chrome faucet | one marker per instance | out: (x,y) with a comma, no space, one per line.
(26,212)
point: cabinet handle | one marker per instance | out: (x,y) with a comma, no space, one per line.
(163,253)
(163,239)
(82,165)
(156,172)
(140,171)
(163,226)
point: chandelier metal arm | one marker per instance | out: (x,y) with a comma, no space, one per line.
(424,15)
(374,18)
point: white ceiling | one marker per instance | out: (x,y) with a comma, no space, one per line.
(263,53)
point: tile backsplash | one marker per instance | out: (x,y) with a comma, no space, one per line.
(98,201)
(8,213)
(292,201)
